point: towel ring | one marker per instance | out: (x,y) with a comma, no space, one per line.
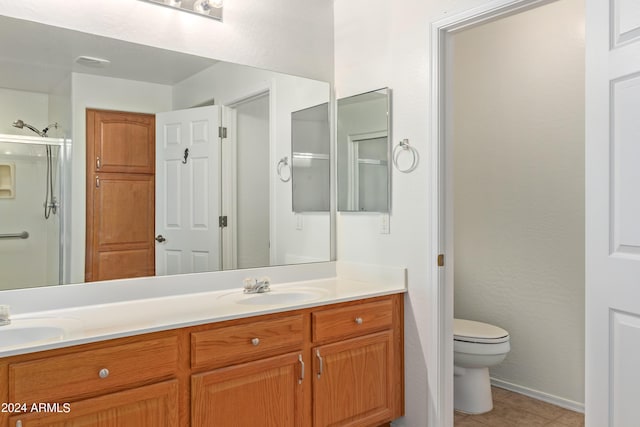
(281,164)
(399,149)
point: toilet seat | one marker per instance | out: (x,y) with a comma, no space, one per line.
(477,332)
(477,346)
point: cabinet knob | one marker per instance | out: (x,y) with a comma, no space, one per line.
(255,341)
(104,373)
(359,320)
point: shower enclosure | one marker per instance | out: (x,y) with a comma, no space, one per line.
(32,210)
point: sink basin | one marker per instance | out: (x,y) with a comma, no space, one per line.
(275,297)
(23,332)
(18,336)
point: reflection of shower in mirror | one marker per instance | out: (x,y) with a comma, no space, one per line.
(50,202)
(43,133)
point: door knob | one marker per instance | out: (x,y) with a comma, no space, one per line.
(160,238)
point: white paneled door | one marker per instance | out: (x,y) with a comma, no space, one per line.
(187,191)
(613,213)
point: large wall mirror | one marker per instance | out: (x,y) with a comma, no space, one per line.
(363,152)
(161,162)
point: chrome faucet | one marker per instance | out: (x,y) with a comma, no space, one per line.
(256,286)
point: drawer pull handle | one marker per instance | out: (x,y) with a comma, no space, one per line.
(104,373)
(359,320)
(301,369)
(320,363)
(255,341)
(19,423)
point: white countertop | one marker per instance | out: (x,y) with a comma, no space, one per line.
(98,322)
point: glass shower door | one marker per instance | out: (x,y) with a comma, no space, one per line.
(31,178)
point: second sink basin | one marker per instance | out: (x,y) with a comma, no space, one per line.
(275,297)
(22,332)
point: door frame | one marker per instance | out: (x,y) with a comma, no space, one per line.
(267,90)
(441,190)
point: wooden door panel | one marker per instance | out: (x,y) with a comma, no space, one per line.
(123,237)
(151,406)
(124,142)
(354,385)
(120,195)
(132,222)
(265,393)
(122,264)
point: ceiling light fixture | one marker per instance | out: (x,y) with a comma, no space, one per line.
(210,8)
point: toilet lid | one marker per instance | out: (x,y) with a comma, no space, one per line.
(472,331)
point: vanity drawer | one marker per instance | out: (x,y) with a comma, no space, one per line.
(352,320)
(89,372)
(229,345)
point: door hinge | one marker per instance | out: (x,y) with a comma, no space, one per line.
(222,221)
(222,132)
(441,260)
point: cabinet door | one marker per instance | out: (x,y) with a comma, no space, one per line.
(265,393)
(122,242)
(121,142)
(150,406)
(120,181)
(352,381)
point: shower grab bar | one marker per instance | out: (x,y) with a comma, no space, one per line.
(23,235)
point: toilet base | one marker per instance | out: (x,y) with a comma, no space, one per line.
(472,390)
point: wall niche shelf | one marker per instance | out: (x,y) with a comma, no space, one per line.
(7,181)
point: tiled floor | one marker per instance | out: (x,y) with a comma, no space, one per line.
(513,409)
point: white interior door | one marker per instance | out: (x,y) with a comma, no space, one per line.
(612,212)
(187,191)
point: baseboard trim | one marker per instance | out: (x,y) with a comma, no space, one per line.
(545,397)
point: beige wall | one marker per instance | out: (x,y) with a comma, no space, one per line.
(519,191)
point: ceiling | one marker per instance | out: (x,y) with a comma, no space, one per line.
(36,57)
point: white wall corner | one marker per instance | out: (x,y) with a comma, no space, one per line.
(372,273)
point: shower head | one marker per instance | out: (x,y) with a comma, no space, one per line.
(20,125)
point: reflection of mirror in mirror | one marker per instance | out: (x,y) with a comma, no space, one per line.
(363,147)
(202,163)
(310,159)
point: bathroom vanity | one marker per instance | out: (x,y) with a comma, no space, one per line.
(335,361)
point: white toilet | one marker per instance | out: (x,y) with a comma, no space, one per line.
(476,347)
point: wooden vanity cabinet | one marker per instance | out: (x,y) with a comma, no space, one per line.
(357,364)
(257,375)
(148,406)
(334,365)
(123,382)
(352,385)
(263,393)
